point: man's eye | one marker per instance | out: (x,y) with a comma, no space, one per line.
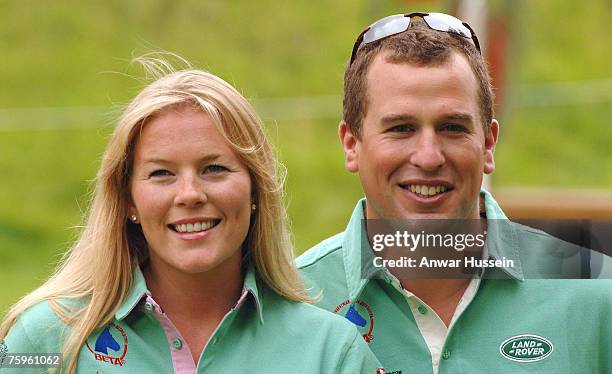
(454,127)
(214,168)
(401,128)
(160,173)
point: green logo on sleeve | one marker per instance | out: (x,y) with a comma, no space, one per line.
(526,348)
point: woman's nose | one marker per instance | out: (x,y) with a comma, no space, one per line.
(190,192)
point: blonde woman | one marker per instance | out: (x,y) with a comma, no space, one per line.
(184,264)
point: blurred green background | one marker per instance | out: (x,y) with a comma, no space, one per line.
(65,71)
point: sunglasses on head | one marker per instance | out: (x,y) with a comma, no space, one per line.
(398,23)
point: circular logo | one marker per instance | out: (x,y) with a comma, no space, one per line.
(526,348)
(360,314)
(110,345)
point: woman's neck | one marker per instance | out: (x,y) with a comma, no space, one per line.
(187,296)
(196,303)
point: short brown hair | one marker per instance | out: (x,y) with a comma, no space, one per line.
(418,45)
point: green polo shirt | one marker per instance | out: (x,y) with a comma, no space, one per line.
(514,323)
(263,333)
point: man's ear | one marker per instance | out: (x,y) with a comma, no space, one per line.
(349,144)
(489,148)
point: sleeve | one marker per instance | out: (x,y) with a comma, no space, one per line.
(18,342)
(359,359)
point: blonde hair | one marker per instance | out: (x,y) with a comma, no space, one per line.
(116,246)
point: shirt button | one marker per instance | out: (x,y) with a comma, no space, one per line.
(148,306)
(446,355)
(178,344)
(422,309)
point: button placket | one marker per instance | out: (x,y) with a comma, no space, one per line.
(223,326)
(181,358)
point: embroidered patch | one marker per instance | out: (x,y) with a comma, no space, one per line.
(360,314)
(110,345)
(3,351)
(526,348)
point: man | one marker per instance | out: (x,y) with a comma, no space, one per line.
(418,127)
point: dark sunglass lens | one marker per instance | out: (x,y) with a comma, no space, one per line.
(386,27)
(446,23)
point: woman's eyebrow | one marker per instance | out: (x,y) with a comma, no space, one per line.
(162,160)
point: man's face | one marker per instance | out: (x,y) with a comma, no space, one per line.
(423,149)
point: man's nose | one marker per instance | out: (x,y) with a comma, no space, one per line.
(190,192)
(427,155)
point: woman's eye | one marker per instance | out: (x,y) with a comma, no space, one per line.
(215,169)
(160,173)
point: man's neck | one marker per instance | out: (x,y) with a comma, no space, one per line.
(442,295)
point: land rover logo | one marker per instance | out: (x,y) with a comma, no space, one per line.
(526,348)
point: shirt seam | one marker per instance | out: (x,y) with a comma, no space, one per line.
(27,336)
(320,258)
(341,362)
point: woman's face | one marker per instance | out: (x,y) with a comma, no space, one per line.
(190,193)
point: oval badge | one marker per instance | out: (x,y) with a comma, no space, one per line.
(526,348)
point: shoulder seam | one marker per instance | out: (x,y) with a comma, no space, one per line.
(319,251)
(318,258)
(346,351)
(25,333)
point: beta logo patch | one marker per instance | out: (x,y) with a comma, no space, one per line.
(110,345)
(526,348)
(361,315)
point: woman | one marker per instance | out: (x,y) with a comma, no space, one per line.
(185,257)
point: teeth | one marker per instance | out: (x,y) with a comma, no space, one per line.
(194,227)
(427,190)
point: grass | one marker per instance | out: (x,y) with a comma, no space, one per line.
(77,55)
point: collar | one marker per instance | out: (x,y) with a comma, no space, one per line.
(501,242)
(250,286)
(139,291)
(358,263)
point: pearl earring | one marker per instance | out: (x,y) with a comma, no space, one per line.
(253,206)
(134,218)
